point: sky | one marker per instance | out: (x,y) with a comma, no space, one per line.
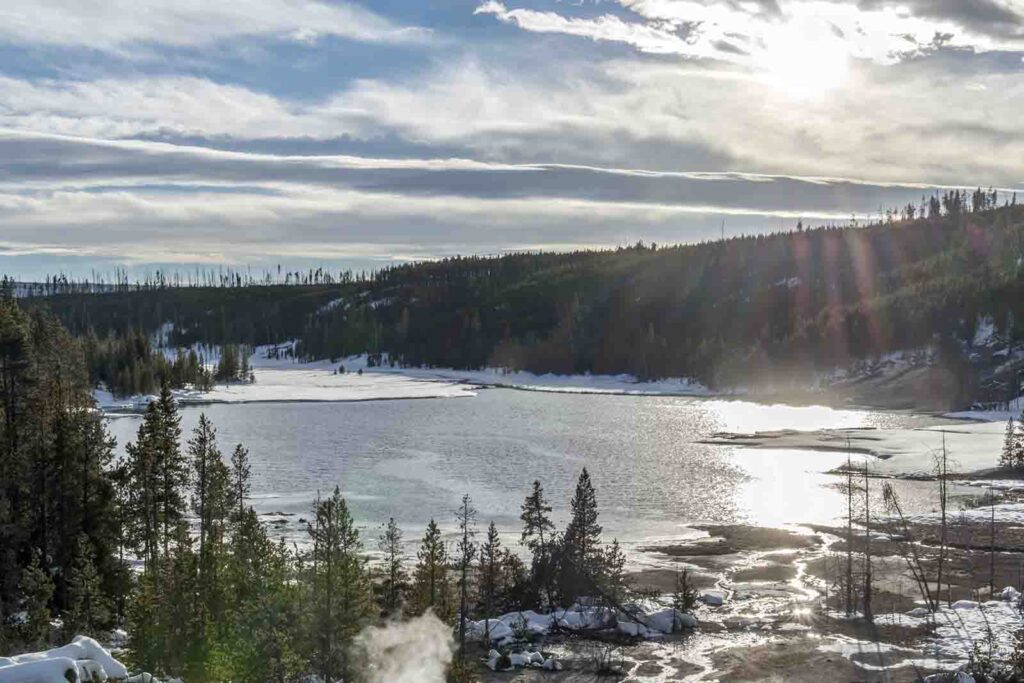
(145,134)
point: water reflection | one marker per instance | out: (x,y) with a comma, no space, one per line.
(414,459)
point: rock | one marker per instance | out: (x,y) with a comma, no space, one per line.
(1009,594)
(668,620)
(536,658)
(519,659)
(552,664)
(631,628)
(713,598)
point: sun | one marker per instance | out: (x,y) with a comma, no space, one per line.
(802,63)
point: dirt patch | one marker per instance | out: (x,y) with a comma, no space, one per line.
(664,580)
(770,573)
(797,660)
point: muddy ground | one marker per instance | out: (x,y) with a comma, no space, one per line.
(775,625)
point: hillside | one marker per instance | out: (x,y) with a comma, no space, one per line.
(935,301)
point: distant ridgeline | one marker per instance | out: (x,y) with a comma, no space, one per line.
(735,312)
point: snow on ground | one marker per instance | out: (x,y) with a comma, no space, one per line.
(285,379)
(580,384)
(970,447)
(965,624)
(906,452)
(1014,413)
(318,382)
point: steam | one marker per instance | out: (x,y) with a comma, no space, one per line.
(415,651)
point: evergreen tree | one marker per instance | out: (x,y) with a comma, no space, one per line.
(212,504)
(141,490)
(89,608)
(538,536)
(431,588)
(339,587)
(1011,447)
(36,587)
(613,574)
(171,467)
(581,560)
(240,473)
(491,575)
(390,544)
(258,639)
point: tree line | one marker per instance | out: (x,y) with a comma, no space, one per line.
(736,311)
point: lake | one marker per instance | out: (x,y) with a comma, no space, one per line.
(414,459)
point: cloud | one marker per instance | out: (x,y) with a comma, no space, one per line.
(115,25)
(750,33)
(604,28)
(148,202)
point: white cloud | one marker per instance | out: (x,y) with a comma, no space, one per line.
(645,38)
(753,34)
(114,25)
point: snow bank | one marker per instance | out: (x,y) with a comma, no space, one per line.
(83,659)
(281,379)
(52,670)
(576,384)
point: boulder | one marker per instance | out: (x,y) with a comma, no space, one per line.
(713,598)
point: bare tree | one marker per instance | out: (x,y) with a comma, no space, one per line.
(867,545)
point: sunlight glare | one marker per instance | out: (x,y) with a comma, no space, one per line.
(804,61)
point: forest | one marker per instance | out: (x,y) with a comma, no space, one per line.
(724,312)
(162,542)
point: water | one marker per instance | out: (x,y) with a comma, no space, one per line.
(414,459)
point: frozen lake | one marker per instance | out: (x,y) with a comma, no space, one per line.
(414,459)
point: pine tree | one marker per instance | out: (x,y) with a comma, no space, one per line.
(257,639)
(1011,447)
(613,572)
(240,473)
(581,545)
(390,544)
(490,572)
(538,536)
(212,504)
(140,486)
(89,607)
(170,465)
(36,587)
(536,518)
(431,589)
(211,498)
(339,587)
